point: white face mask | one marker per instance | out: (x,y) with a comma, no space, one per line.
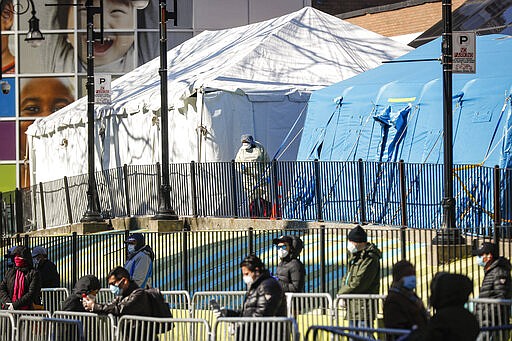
(246,145)
(248,280)
(351,248)
(131,248)
(282,253)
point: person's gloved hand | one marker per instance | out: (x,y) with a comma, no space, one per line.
(88,303)
(9,306)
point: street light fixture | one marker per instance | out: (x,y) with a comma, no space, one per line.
(34,36)
(165,212)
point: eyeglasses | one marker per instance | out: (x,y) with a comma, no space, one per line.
(282,247)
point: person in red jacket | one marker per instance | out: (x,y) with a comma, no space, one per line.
(20,289)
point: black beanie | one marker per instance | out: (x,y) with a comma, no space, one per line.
(357,234)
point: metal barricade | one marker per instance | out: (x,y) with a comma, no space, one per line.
(17,314)
(200,307)
(52,298)
(331,333)
(7,327)
(141,328)
(37,328)
(358,310)
(255,329)
(309,309)
(104,296)
(179,303)
(491,312)
(96,327)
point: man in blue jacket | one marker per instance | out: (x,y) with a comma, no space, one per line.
(140,260)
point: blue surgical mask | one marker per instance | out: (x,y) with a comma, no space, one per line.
(131,248)
(480,260)
(115,289)
(409,282)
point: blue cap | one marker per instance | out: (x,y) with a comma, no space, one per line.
(138,238)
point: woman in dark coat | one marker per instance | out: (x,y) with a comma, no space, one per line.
(403,309)
(20,289)
(88,285)
(290,272)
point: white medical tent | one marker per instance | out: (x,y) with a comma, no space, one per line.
(254,79)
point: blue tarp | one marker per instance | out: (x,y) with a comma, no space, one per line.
(395,112)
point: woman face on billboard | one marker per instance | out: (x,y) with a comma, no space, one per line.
(118,15)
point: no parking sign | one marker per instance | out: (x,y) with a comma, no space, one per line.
(464,52)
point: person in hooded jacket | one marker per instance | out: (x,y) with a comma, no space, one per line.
(47,269)
(290,271)
(362,277)
(86,285)
(20,289)
(140,260)
(449,294)
(403,309)
(496,284)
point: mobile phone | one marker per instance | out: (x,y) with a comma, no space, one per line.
(214,305)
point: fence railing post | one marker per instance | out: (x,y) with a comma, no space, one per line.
(43,209)
(158,183)
(250,241)
(323,272)
(2,212)
(193,188)
(18,206)
(26,241)
(276,207)
(403,208)
(74,258)
(12,209)
(185,260)
(234,193)
(362,195)
(497,206)
(68,201)
(126,191)
(318,191)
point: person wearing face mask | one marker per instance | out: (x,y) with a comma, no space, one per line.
(129,299)
(403,309)
(47,269)
(362,277)
(140,258)
(264,297)
(20,289)
(497,284)
(290,271)
(87,285)
(253,164)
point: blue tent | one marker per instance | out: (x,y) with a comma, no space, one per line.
(395,112)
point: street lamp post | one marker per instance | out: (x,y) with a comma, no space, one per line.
(448,199)
(92,213)
(165,212)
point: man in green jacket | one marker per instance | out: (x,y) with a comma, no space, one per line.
(362,277)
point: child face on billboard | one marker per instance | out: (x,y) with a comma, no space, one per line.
(43,96)
(118,15)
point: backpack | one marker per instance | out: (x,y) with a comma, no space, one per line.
(160,308)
